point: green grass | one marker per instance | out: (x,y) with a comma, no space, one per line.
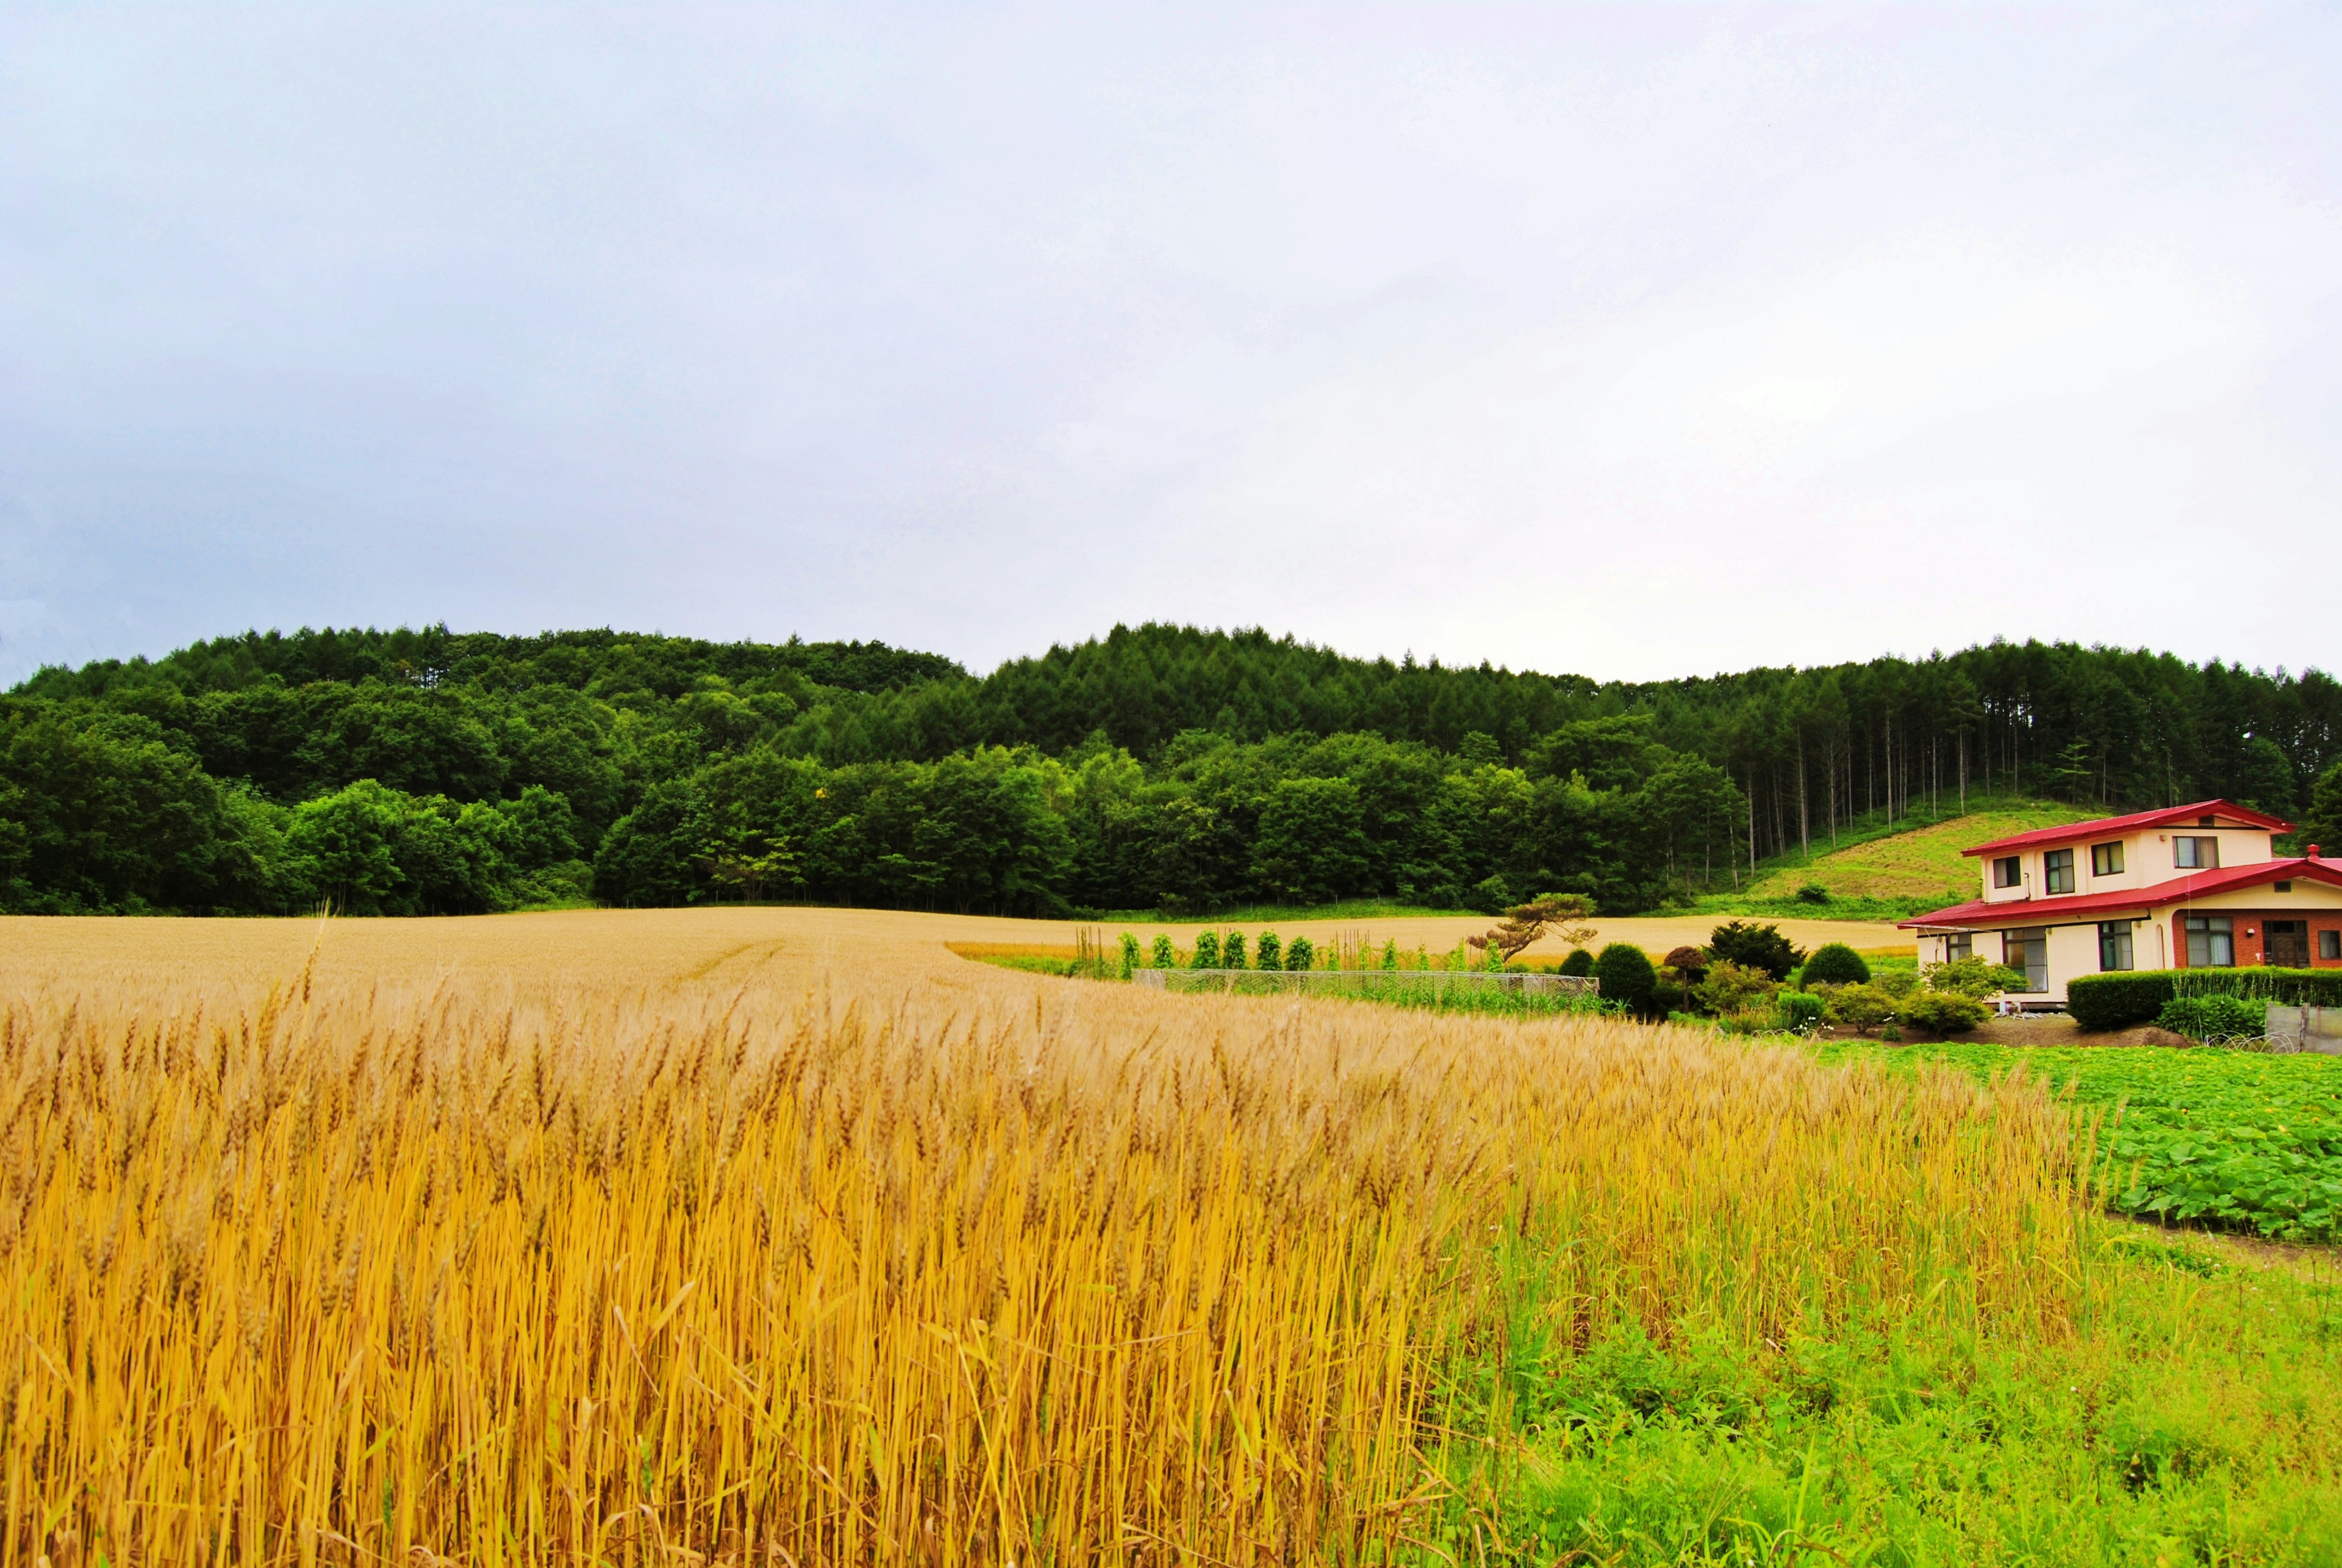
(2196,1418)
(1880,870)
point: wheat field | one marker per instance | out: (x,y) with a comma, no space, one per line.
(786,1236)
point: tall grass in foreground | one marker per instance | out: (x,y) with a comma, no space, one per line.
(828,1271)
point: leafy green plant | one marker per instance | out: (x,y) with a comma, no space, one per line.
(2215,1017)
(1975,977)
(1131,960)
(1860,1008)
(1732,988)
(1165,956)
(1940,1012)
(1798,1011)
(1301,955)
(1579,962)
(1268,953)
(1207,951)
(1813,893)
(1232,950)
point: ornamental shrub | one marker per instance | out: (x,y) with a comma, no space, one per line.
(1627,975)
(1758,947)
(1835,963)
(2118,1001)
(1165,955)
(1301,955)
(1860,1008)
(1975,977)
(1267,954)
(1579,962)
(1732,988)
(1207,951)
(1941,1013)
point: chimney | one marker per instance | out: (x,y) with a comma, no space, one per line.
(2313,852)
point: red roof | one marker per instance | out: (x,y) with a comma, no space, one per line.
(2172,816)
(2067,907)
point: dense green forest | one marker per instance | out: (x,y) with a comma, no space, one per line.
(427,770)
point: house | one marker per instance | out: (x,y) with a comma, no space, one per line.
(2186,887)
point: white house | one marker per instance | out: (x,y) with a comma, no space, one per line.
(2186,887)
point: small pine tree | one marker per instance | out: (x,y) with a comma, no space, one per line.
(1390,953)
(1301,955)
(1207,951)
(1232,950)
(1165,955)
(1268,953)
(1835,963)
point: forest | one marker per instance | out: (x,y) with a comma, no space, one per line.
(425,771)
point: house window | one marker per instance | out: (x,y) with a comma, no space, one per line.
(2057,871)
(1963,945)
(2105,860)
(2114,944)
(2007,871)
(2211,940)
(2196,853)
(2285,887)
(2329,945)
(2027,952)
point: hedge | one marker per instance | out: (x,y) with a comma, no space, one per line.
(2119,1000)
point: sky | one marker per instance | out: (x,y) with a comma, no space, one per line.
(1634,342)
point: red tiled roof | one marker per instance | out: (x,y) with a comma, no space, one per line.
(2177,816)
(2065,908)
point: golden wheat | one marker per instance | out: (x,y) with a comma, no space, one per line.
(727,1240)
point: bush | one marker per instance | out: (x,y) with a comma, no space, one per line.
(1732,988)
(1897,982)
(1626,976)
(1975,977)
(1232,950)
(1798,1010)
(1130,960)
(1268,953)
(1493,896)
(1302,955)
(2215,1017)
(1813,893)
(1207,951)
(1860,1008)
(1941,1013)
(2119,1001)
(1835,964)
(1165,955)
(1757,946)
(1579,962)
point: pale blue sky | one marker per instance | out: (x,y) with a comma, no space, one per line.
(1636,341)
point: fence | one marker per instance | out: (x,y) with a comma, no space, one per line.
(1373,985)
(2305,1029)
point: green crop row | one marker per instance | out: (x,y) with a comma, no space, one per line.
(2235,1138)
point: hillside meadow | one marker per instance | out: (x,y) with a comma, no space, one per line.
(788,1236)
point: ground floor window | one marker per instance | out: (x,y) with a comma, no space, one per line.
(2114,944)
(2028,951)
(2329,945)
(1963,945)
(2211,940)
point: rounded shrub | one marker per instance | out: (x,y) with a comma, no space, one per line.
(1579,962)
(1941,1013)
(1626,976)
(1835,963)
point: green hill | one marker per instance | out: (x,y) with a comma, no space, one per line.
(1921,863)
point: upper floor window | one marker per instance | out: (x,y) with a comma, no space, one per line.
(2105,860)
(2007,871)
(2057,871)
(2196,853)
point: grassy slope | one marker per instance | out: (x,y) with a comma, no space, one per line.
(1889,872)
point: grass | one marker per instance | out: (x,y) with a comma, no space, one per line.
(762,1235)
(1888,871)
(1270,913)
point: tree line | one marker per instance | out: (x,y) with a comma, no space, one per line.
(426,771)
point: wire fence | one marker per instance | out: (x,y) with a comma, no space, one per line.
(1408,986)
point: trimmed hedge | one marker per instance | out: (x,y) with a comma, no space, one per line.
(2120,1000)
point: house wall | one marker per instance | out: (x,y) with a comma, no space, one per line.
(2147,859)
(2316,903)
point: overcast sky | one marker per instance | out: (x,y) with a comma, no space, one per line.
(1636,342)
